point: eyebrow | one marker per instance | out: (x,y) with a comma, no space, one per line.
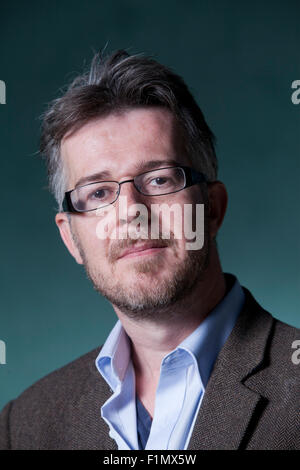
(142,166)
(92,178)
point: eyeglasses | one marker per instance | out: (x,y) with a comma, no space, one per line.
(93,196)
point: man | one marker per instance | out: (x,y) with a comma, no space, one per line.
(193,361)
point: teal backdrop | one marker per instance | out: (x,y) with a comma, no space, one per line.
(239,59)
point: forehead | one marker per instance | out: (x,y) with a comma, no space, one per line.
(118,143)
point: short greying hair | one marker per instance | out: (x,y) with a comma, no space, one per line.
(115,83)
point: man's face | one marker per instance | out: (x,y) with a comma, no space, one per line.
(123,146)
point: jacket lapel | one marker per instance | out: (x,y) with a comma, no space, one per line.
(229,407)
(85,428)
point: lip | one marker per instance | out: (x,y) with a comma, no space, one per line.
(141,250)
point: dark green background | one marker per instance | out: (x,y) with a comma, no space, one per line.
(239,59)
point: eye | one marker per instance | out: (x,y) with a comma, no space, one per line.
(100,194)
(159,181)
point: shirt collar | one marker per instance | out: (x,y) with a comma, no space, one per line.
(204,343)
(114,356)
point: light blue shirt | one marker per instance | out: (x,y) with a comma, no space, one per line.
(184,374)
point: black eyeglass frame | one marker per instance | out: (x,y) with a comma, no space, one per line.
(192,177)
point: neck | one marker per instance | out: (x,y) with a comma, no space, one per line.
(150,341)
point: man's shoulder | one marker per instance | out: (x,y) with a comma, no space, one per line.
(285,340)
(49,413)
(65,383)
(282,329)
(285,332)
(278,338)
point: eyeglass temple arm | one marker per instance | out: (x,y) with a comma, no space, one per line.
(193,176)
(67,203)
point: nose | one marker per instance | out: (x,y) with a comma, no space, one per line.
(128,190)
(129,196)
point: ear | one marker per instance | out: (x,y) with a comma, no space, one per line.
(63,224)
(218,200)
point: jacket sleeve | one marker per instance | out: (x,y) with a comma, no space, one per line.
(4,427)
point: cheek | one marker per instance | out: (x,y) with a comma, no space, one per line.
(92,244)
(181,214)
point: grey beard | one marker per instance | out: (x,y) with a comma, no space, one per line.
(153,300)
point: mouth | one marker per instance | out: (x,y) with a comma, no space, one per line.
(141,250)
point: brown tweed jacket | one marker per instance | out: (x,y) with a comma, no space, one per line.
(251,401)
